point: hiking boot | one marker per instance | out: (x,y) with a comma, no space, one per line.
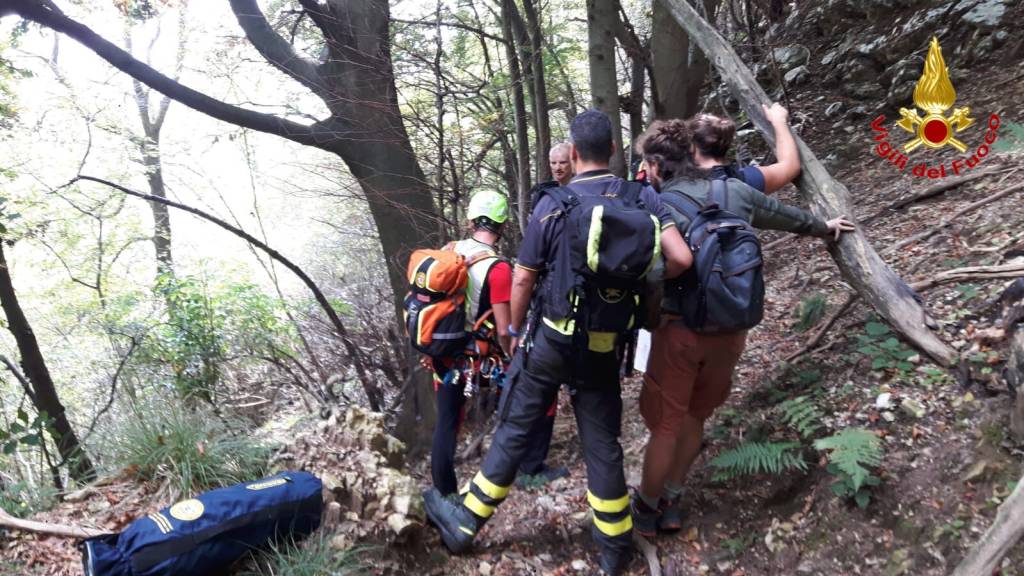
(645,518)
(614,562)
(455,522)
(547,474)
(671,519)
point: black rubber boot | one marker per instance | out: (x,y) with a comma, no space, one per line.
(456,523)
(614,562)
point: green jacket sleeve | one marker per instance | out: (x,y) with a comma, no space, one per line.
(769,213)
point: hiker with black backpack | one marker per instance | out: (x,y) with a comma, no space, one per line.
(591,248)
(706,312)
(713,135)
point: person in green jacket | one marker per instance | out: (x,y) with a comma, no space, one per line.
(689,374)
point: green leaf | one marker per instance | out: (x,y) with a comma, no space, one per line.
(862,498)
(876,329)
(840,489)
(10,447)
(22,415)
(890,344)
(881,362)
(30,440)
(17,428)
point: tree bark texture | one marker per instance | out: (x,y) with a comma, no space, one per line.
(44,393)
(356,82)
(602,20)
(679,69)
(522,147)
(856,258)
(542,122)
(1006,530)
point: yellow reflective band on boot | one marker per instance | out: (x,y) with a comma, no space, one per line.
(607,506)
(614,528)
(490,488)
(477,506)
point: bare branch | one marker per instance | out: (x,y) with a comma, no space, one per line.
(275,48)
(47,14)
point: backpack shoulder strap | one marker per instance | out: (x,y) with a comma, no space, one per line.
(480,256)
(719,193)
(684,203)
(630,191)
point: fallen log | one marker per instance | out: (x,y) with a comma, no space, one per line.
(860,265)
(944,186)
(1014,373)
(1011,270)
(956,215)
(62,530)
(1006,530)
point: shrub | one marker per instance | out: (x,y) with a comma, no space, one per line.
(885,351)
(194,451)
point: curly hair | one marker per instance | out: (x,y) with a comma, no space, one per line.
(667,143)
(712,135)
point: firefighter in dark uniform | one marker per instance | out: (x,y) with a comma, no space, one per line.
(544,360)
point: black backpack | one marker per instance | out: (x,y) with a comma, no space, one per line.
(608,245)
(723,291)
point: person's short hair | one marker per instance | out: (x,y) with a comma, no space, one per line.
(559,146)
(591,134)
(667,143)
(712,135)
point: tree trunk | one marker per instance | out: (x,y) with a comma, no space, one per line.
(355,81)
(542,123)
(1006,530)
(602,20)
(680,71)
(858,261)
(522,148)
(44,393)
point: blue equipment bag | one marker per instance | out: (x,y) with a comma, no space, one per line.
(206,534)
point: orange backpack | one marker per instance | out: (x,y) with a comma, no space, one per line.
(435,312)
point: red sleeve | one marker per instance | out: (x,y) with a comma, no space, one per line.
(499,281)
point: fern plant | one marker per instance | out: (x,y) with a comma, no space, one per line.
(751,458)
(810,311)
(852,453)
(802,415)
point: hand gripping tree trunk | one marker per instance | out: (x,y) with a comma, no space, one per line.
(355,80)
(44,393)
(858,261)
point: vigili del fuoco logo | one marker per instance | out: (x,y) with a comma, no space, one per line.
(934,95)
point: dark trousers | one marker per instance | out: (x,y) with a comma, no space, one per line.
(533,462)
(450,404)
(597,404)
(450,400)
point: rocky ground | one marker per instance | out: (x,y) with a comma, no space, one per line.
(949,458)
